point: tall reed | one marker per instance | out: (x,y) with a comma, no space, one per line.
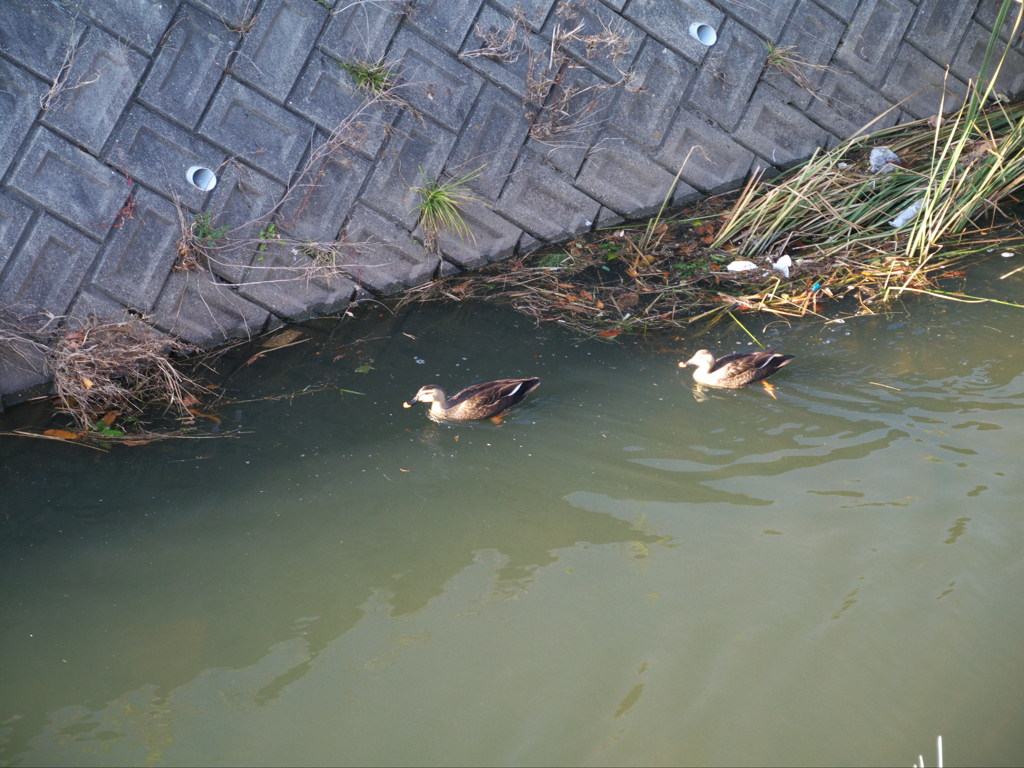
(954,168)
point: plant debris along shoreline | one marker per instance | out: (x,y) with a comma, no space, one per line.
(789,246)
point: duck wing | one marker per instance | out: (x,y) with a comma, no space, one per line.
(767,359)
(491,397)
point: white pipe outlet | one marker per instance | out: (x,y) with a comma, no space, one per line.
(703,33)
(201,178)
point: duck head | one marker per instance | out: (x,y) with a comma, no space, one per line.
(428,394)
(701,358)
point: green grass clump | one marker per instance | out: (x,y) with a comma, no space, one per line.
(440,207)
(377,78)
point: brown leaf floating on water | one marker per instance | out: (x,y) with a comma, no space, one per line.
(63,434)
(284,337)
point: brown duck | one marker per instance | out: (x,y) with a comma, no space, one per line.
(479,401)
(735,370)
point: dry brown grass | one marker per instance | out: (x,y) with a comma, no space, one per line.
(121,367)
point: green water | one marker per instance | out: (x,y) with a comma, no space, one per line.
(626,572)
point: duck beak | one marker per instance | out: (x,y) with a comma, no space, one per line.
(683,365)
(410,404)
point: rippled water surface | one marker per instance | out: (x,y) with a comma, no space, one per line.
(626,572)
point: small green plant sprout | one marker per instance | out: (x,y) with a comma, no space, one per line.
(440,207)
(204,232)
(267,235)
(378,78)
(197,238)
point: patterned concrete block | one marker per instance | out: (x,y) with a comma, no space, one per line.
(256,129)
(326,95)
(188,66)
(289,284)
(361,31)
(23,367)
(196,307)
(844,9)
(513,72)
(318,202)
(39,35)
(232,12)
(19,105)
(724,83)
(100,81)
(779,133)
(622,177)
(416,151)
(923,83)
(94,303)
(713,160)
(968,60)
(938,26)
(544,203)
(813,36)
(243,201)
(491,140)
(535,11)
(987,13)
(765,17)
(668,21)
(277,46)
(845,105)
(645,109)
(606,217)
(139,254)
(46,272)
(528,243)
(158,153)
(73,184)
(493,238)
(383,257)
(597,21)
(14,217)
(445,21)
(433,81)
(141,21)
(873,39)
(564,132)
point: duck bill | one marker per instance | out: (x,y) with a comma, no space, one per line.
(688,362)
(410,404)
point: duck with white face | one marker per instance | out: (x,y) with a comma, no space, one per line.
(488,400)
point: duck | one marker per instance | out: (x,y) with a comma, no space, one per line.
(488,400)
(735,370)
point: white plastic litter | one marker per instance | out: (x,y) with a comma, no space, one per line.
(741,266)
(783,264)
(906,215)
(1006,254)
(883,160)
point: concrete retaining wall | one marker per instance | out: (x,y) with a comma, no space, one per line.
(105,104)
